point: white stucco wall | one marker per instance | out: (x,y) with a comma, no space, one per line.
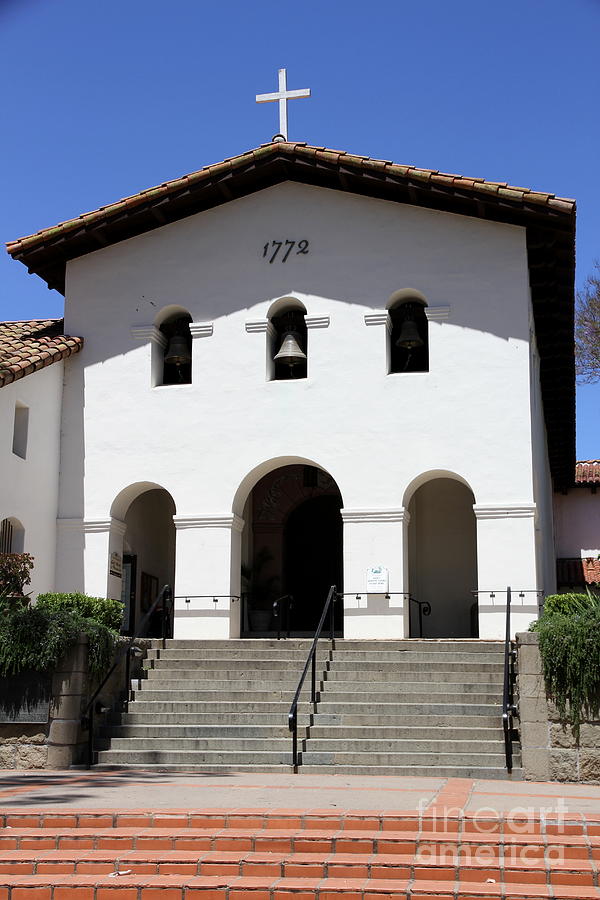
(577,515)
(376,434)
(29,487)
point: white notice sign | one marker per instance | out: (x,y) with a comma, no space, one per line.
(377,580)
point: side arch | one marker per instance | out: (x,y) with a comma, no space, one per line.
(429,475)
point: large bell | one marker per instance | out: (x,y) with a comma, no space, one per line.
(178,352)
(409,338)
(290,353)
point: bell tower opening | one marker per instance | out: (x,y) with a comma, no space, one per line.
(292,548)
(288,346)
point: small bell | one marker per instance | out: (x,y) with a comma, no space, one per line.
(178,352)
(290,353)
(409,338)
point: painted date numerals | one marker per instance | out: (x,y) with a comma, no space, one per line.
(282,250)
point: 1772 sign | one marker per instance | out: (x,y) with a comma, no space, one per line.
(282,250)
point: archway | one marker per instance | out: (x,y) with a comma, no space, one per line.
(148,550)
(292,546)
(442,543)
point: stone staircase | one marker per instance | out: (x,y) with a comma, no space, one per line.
(406,707)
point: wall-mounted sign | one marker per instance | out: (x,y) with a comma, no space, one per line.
(116,565)
(378,580)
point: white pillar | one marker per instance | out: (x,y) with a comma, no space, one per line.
(206,550)
(96,543)
(115,558)
(374,537)
(70,551)
(506,556)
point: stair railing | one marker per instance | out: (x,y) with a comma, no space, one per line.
(424,608)
(508,700)
(127,650)
(311,661)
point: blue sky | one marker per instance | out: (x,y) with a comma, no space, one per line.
(102,100)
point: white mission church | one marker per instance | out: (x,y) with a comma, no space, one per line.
(296,368)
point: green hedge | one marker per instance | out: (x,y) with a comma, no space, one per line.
(101,609)
(36,637)
(569,636)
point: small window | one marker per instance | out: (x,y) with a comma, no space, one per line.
(288,345)
(177,358)
(409,341)
(12,536)
(20,430)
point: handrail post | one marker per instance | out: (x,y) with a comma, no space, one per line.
(313,686)
(506,704)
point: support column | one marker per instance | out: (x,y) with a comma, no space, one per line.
(103,537)
(374,537)
(506,555)
(207,561)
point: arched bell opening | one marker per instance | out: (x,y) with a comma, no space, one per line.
(291,546)
(148,557)
(288,349)
(442,551)
(176,363)
(409,336)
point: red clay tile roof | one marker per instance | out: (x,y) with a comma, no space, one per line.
(299,151)
(26,347)
(574,572)
(587,471)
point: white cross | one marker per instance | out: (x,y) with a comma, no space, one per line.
(283,95)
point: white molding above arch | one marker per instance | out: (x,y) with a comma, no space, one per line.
(149,333)
(436,313)
(235,523)
(260,326)
(379,317)
(201,329)
(375,515)
(507,511)
(317,321)
(97,526)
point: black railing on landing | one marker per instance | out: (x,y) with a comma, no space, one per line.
(328,610)
(163,605)
(423,606)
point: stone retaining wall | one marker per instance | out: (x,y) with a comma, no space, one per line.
(549,750)
(61,742)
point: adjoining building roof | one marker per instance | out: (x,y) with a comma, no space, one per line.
(587,471)
(549,222)
(26,347)
(575,572)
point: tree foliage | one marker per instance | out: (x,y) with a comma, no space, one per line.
(587,329)
(14,573)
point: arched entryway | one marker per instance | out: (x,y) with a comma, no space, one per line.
(442,546)
(148,558)
(292,545)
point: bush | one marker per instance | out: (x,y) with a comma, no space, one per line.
(569,604)
(14,573)
(100,609)
(34,637)
(569,636)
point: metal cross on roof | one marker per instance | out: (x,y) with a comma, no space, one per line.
(283,95)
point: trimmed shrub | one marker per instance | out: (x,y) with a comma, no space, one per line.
(100,609)
(33,637)
(569,604)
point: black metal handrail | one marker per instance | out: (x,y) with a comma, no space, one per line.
(312,658)
(508,700)
(424,610)
(164,598)
(281,605)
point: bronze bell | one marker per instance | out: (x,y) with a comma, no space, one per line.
(290,353)
(409,338)
(178,352)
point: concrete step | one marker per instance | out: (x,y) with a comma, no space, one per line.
(339,663)
(170,757)
(323,651)
(321,746)
(329,732)
(402,758)
(497,773)
(463,645)
(332,683)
